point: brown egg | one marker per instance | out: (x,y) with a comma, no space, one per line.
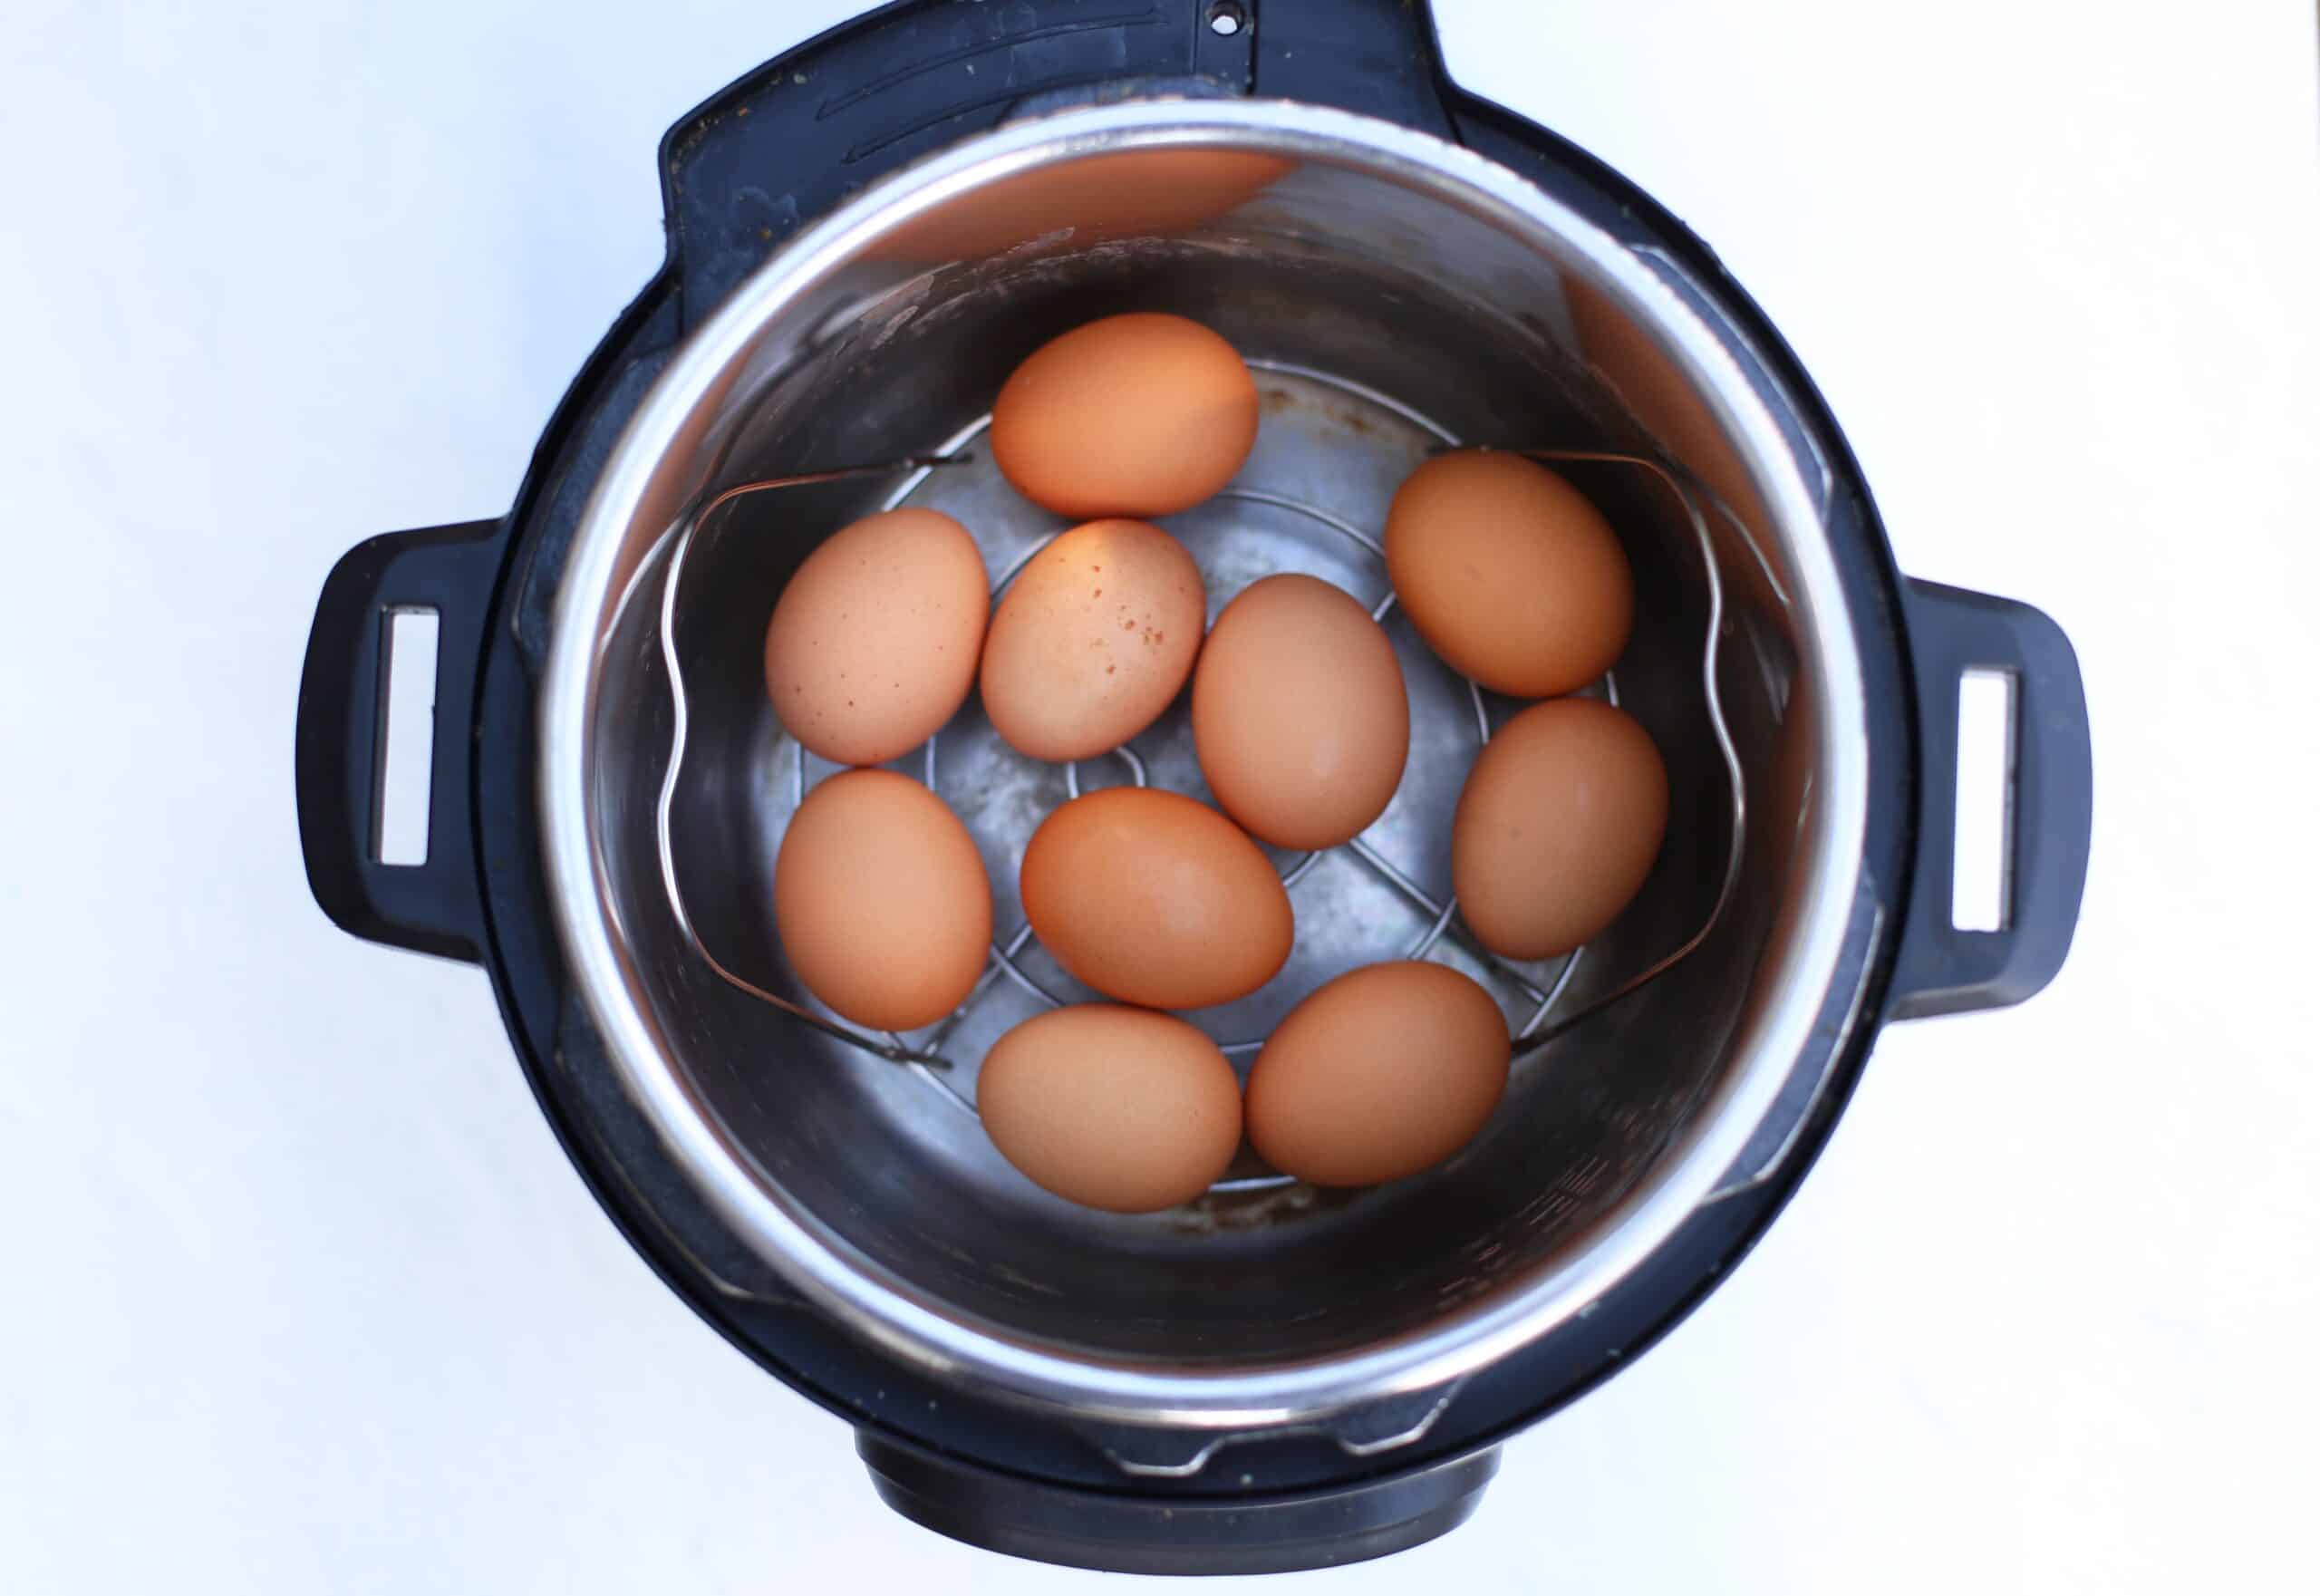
(1117,1108)
(881,901)
(1154,899)
(1508,573)
(874,640)
(1133,194)
(1298,713)
(1092,641)
(1560,821)
(1383,1072)
(1142,414)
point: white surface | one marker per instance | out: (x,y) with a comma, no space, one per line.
(303,1296)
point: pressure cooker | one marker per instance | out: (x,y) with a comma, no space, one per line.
(864,236)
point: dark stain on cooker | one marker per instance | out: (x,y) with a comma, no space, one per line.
(1247,1210)
(756,217)
(1348,418)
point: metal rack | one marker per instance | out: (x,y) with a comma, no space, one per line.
(1543,1023)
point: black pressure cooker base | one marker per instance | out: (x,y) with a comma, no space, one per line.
(1148,1535)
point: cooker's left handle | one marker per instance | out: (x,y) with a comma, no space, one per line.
(434,906)
(1944,969)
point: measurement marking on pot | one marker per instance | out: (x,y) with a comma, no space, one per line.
(1981,879)
(399,807)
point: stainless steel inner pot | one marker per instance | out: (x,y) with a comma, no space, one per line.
(1393,291)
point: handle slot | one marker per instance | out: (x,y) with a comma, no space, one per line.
(2043,767)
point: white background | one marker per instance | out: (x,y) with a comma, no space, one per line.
(302,1296)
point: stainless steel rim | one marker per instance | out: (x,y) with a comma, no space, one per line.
(988,1359)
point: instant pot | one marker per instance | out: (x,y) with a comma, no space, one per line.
(864,236)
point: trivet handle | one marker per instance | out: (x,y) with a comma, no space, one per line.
(434,906)
(1944,969)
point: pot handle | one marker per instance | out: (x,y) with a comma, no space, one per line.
(434,906)
(1943,970)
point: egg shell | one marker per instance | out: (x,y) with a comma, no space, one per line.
(1557,827)
(874,640)
(1142,414)
(1386,1070)
(881,900)
(1157,900)
(1093,640)
(1117,1108)
(1508,573)
(1299,716)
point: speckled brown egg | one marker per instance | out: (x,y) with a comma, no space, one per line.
(874,640)
(1117,1108)
(881,900)
(1508,573)
(1092,639)
(1154,899)
(1557,828)
(1386,1070)
(1142,414)
(1299,716)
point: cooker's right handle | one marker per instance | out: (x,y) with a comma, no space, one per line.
(434,906)
(1943,970)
